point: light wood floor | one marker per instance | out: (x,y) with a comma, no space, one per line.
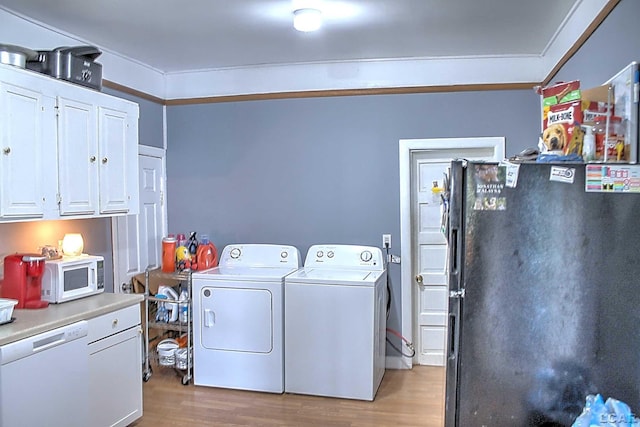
(405,398)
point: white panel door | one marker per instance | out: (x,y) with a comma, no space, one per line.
(431,257)
(137,238)
(430,248)
(151,216)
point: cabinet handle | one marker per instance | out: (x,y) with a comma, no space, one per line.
(115,322)
(104,160)
(6,150)
(92,159)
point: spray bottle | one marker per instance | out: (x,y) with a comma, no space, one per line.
(589,145)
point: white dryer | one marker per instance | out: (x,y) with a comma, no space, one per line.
(238,323)
(335,323)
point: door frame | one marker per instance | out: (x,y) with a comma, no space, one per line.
(406,149)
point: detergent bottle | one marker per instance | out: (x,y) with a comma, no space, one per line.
(184,306)
(207,254)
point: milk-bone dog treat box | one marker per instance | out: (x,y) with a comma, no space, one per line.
(561,119)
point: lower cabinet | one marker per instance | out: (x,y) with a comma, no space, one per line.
(115,368)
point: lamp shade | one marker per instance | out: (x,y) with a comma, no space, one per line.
(72,244)
(307,19)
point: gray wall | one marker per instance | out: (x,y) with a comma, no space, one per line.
(325,170)
(318,170)
(610,49)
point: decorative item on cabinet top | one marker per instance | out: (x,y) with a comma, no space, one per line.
(16,55)
(73,64)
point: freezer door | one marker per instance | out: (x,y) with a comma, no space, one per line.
(550,311)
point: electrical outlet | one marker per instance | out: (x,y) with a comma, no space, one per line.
(386,241)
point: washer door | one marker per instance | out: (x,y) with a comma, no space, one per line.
(236,319)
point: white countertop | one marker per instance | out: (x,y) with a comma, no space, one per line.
(32,322)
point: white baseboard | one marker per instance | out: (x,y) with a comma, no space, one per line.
(396,362)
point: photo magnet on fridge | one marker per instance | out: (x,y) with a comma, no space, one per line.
(488,181)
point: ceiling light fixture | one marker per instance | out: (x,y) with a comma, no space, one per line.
(307,19)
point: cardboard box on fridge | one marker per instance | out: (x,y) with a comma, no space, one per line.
(566,108)
(597,101)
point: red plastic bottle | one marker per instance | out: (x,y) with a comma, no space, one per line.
(168,254)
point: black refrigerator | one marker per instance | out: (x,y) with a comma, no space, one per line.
(544,283)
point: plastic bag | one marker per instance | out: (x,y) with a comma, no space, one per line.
(611,413)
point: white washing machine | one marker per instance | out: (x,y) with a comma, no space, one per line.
(335,323)
(238,322)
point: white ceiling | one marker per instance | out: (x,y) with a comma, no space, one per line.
(234,38)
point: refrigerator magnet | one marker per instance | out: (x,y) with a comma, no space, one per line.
(561,174)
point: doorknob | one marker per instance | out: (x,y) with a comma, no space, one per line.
(419,279)
(127,288)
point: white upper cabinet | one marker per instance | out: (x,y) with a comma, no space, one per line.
(77,157)
(66,151)
(115,157)
(26,148)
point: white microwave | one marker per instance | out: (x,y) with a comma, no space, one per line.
(72,277)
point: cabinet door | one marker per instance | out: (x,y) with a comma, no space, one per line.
(78,157)
(113,175)
(21,145)
(115,379)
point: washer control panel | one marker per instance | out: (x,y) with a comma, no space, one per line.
(345,256)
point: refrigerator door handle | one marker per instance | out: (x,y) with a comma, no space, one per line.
(453,336)
(454,251)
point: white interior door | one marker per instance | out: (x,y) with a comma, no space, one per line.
(424,247)
(137,238)
(430,256)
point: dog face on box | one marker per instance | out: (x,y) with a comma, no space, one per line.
(554,138)
(562,134)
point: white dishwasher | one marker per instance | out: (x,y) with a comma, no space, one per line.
(43,379)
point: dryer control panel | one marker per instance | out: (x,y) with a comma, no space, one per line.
(345,256)
(260,255)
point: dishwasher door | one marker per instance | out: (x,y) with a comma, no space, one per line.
(44,379)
